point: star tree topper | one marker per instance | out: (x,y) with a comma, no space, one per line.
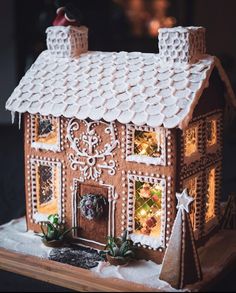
(184,200)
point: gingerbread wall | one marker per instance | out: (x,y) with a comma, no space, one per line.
(116,182)
(198,165)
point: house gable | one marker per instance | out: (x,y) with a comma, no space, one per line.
(213,97)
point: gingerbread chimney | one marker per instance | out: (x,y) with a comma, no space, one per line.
(67,41)
(181,44)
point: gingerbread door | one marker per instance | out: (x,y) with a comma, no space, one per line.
(92,230)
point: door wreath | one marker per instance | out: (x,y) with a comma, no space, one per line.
(92,206)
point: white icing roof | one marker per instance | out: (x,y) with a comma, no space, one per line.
(128,87)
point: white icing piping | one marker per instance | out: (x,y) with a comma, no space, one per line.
(90,168)
(91,241)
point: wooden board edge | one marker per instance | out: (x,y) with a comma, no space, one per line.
(64,275)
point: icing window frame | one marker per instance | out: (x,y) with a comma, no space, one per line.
(40,143)
(145,159)
(37,212)
(146,240)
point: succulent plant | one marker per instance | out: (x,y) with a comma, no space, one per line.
(119,247)
(53,229)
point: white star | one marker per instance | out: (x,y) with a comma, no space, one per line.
(184,200)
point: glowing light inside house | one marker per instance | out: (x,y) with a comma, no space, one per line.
(210,197)
(191,185)
(190,141)
(148,208)
(211,132)
(143,213)
(147,143)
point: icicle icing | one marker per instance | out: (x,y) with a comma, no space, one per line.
(19,121)
(13,113)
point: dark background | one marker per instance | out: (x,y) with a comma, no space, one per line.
(113,26)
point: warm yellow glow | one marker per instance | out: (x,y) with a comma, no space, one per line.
(210,198)
(143,213)
(147,143)
(191,185)
(211,132)
(191,141)
(46,137)
(48,206)
(148,208)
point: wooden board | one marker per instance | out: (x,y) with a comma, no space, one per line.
(64,275)
(217,260)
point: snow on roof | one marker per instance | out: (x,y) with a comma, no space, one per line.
(128,87)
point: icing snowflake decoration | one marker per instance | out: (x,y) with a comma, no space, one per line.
(90,153)
(184,200)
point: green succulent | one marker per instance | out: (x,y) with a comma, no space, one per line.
(119,247)
(53,229)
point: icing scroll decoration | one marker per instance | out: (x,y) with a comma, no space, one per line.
(89,152)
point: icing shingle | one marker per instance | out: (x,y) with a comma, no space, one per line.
(128,87)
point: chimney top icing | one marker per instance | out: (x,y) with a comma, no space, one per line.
(181,44)
(67,41)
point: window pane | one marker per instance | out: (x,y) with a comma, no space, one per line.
(211,132)
(46,130)
(148,197)
(47,186)
(191,141)
(147,143)
(210,197)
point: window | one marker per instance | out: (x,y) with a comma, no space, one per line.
(211,132)
(191,185)
(147,203)
(46,188)
(45,184)
(148,208)
(210,196)
(145,145)
(191,141)
(45,132)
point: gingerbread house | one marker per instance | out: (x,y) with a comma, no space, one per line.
(111,137)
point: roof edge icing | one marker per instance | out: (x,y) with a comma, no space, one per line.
(128,87)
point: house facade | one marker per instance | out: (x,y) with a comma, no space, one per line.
(132,128)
